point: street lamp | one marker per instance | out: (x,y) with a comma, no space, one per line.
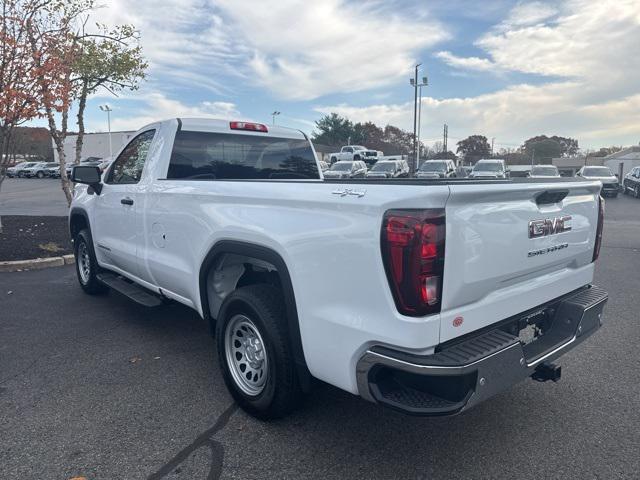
(108,109)
(273,116)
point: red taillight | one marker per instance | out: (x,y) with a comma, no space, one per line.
(413,255)
(596,248)
(253,127)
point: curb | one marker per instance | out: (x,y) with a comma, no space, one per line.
(36,263)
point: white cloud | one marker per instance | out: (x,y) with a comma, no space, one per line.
(589,50)
(512,115)
(305,50)
(297,50)
(530,13)
(156,106)
(468,63)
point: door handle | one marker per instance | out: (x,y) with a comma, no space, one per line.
(126,201)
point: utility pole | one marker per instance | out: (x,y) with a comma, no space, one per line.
(445,137)
(108,109)
(414,82)
(273,116)
(492,140)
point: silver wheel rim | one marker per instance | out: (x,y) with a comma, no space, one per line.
(84,263)
(246,355)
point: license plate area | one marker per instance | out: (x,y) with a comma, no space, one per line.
(533,326)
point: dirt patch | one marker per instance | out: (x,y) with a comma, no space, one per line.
(26,237)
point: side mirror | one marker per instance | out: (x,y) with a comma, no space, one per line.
(87,175)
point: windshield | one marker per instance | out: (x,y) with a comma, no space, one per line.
(488,167)
(433,167)
(28,165)
(383,167)
(341,167)
(597,172)
(544,171)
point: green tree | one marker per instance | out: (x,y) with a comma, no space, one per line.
(112,60)
(474,147)
(544,147)
(333,130)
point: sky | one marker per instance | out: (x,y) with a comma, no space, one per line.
(507,70)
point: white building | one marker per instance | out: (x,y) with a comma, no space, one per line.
(93,145)
(621,162)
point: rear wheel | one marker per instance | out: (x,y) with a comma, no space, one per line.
(255,354)
(86,264)
(40,174)
(637,191)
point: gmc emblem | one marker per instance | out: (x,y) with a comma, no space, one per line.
(546,227)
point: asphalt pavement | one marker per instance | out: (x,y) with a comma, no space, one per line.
(98,387)
(33,196)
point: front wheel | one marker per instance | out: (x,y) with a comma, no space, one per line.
(40,174)
(86,264)
(254,352)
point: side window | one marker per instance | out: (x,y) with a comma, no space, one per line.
(127,168)
(348,150)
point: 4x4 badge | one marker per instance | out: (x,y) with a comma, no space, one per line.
(348,191)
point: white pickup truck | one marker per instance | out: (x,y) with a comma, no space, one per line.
(356,152)
(426,296)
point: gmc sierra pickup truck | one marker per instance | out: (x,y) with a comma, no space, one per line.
(426,296)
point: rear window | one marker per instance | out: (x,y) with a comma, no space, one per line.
(597,172)
(225,156)
(544,171)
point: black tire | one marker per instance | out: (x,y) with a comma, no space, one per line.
(636,191)
(82,244)
(334,160)
(264,306)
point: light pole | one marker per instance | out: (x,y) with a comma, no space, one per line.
(424,83)
(273,116)
(414,83)
(108,109)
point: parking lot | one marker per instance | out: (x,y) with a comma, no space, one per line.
(98,387)
(32,196)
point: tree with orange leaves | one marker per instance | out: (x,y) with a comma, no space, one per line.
(18,86)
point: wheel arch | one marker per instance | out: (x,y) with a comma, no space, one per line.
(78,219)
(270,256)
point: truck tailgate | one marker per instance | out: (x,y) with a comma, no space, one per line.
(494,269)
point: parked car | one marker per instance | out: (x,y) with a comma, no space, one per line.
(631,182)
(345,283)
(346,153)
(610,184)
(520,171)
(489,168)
(13,171)
(437,169)
(53,170)
(544,171)
(355,169)
(356,152)
(38,170)
(385,169)
(20,171)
